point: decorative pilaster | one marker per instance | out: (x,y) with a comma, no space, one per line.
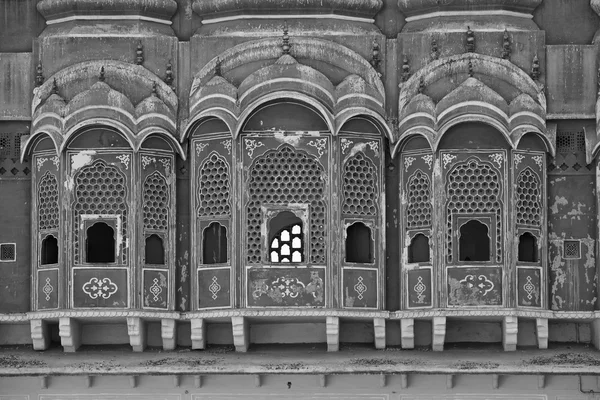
(198,335)
(241,336)
(168,332)
(407,333)
(541,325)
(438,336)
(136,328)
(510,328)
(70,335)
(39,334)
(379,332)
(333,333)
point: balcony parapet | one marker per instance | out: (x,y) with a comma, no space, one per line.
(433,15)
(257,17)
(96,17)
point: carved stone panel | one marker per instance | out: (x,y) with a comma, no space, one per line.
(100,287)
(286,287)
(475,286)
(156,288)
(47,289)
(529,287)
(214,287)
(419,288)
(360,288)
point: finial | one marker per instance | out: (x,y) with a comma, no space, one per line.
(285,47)
(139,54)
(405,68)
(470,40)
(421,84)
(169,74)
(39,76)
(506,45)
(101,77)
(375,59)
(435,53)
(154,89)
(54,87)
(470,68)
(535,68)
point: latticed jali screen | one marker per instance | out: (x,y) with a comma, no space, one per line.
(529,209)
(156,203)
(286,176)
(360,187)
(474,187)
(100,189)
(418,213)
(213,187)
(48,202)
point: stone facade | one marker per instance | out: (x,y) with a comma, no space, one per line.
(410,173)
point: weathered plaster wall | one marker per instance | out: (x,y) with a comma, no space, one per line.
(15,85)
(19,24)
(556,16)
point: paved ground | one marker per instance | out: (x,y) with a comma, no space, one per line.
(109,360)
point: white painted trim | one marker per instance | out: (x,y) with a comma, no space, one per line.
(480,13)
(278,17)
(254,88)
(107,17)
(570,116)
(360,95)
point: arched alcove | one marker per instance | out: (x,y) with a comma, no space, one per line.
(418,251)
(155,142)
(532,141)
(473,135)
(100,243)
(359,243)
(214,244)
(528,251)
(49,250)
(154,250)
(474,244)
(286,116)
(98,137)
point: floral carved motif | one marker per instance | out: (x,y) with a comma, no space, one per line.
(345,144)
(124,158)
(103,288)
(498,158)
(518,159)
(214,288)
(420,289)
(227,145)
(447,159)
(428,159)
(252,145)
(408,161)
(481,282)
(360,288)
(48,289)
(155,289)
(319,144)
(200,147)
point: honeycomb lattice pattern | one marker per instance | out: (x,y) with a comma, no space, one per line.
(100,189)
(5,145)
(360,186)
(156,203)
(571,249)
(8,252)
(286,176)
(418,214)
(474,187)
(213,187)
(48,202)
(529,209)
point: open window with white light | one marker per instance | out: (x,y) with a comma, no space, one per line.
(286,239)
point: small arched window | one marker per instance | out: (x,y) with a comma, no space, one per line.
(155,251)
(214,244)
(49,251)
(286,244)
(100,243)
(474,242)
(359,246)
(528,251)
(419,249)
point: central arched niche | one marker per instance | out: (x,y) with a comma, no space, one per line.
(289,116)
(475,174)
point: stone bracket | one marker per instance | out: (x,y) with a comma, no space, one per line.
(40,336)
(333,333)
(438,338)
(70,335)
(407,333)
(136,328)
(379,332)
(168,332)
(241,336)
(541,325)
(510,329)
(198,334)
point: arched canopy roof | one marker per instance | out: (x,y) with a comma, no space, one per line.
(360,91)
(472,87)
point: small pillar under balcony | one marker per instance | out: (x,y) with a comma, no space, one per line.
(510,328)
(241,335)
(541,325)
(379,332)
(40,335)
(438,337)
(168,331)
(136,328)
(407,333)
(70,334)
(333,333)
(198,334)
